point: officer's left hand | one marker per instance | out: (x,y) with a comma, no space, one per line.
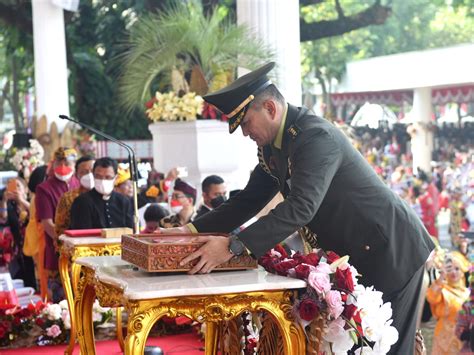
(213,253)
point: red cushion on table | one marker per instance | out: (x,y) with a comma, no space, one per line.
(83,232)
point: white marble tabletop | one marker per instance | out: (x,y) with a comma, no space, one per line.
(73,241)
(138,284)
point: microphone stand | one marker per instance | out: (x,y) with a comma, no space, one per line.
(132,162)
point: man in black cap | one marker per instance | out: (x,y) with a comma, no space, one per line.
(330,191)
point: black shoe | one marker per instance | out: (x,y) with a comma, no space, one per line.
(153,350)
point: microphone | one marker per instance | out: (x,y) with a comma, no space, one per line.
(132,162)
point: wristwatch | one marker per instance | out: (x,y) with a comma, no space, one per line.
(236,247)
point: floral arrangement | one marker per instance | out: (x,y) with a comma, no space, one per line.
(85,143)
(48,322)
(355,317)
(27,159)
(172,107)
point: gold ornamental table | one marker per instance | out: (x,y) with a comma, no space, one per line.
(72,248)
(211,298)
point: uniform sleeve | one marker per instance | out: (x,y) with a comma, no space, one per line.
(314,163)
(81,214)
(260,189)
(44,204)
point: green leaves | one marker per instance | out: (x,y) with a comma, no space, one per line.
(179,38)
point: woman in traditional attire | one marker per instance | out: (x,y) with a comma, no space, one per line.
(446,297)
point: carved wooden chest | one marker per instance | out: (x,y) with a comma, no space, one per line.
(163,253)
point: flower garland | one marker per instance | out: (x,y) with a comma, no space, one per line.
(49,322)
(172,107)
(27,159)
(355,317)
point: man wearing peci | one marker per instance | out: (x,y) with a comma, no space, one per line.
(329,189)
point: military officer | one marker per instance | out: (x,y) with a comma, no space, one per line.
(329,188)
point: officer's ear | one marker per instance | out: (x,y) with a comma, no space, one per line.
(270,106)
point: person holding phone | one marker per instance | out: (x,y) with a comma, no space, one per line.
(21,266)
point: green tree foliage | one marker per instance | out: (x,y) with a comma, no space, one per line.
(16,72)
(413,25)
(93,37)
(184,39)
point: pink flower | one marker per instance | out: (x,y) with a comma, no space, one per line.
(319,281)
(53,331)
(334,302)
(324,268)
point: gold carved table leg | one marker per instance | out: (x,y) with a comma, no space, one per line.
(84,301)
(68,291)
(120,339)
(210,309)
(70,283)
(213,309)
(211,337)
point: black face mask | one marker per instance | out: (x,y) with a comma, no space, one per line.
(219,200)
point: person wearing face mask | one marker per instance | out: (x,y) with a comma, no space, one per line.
(102,207)
(48,193)
(84,174)
(213,194)
(181,205)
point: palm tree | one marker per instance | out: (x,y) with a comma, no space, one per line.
(182,48)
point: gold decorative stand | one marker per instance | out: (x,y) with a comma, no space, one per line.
(213,298)
(71,249)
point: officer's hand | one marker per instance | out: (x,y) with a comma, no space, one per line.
(212,254)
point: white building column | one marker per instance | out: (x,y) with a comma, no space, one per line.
(52,95)
(277,23)
(422,139)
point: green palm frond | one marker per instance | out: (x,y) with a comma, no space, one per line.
(181,37)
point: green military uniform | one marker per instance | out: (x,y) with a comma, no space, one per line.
(329,187)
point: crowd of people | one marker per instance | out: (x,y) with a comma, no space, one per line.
(445,191)
(73,192)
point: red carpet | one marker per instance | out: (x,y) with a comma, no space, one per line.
(187,344)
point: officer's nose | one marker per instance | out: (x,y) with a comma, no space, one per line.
(244,131)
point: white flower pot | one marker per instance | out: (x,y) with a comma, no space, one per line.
(204,147)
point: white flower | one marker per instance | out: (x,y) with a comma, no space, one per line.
(376,319)
(65,316)
(53,311)
(367,298)
(388,337)
(96,316)
(373,321)
(98,308)
(366,350)
(28,158)
(340,339)
(64,304)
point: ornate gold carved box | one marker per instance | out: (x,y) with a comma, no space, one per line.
(163,253)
